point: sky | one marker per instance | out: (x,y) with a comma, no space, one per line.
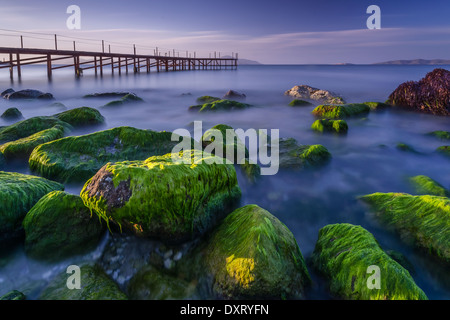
(271,32)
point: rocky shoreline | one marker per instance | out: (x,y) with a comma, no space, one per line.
(179,231)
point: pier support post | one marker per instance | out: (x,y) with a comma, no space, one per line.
(11,66)
(19,71)
(49,66)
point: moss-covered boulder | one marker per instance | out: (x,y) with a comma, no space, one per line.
(299,103)
(128,98)
(28,127)
(375,106)
(2,161)
(79,117)
(94,282)
(425,185)
(59,226)
(406,147)
(420,220)
(18,194)
(22,148)
(220,105)
(343,254)
(13,295)
(162,197)
(444,150)
(252,255)
(27,94)
(327,125)
(118,94)
(341,111)
(78,158)
(440,134)
(206,99)
(12,114)
(153,284)
(293,155)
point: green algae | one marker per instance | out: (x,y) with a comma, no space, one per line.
(162,197)
(60,226)
(94,282)
(128,98)
(442,135)
(374,106)
(327,125)
(444,150)
(253,255)
(220,105)
(83,116)
(19,193)
(421,220)
(12,114)
(78,158)
(341,111)
(22,148)
(293,155)
(206,99)
(28,127)
(13,295)
(299,103)
(425,185)
(343,253)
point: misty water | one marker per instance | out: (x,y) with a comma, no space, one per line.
(364,161)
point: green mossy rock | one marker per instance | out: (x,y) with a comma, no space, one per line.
(95,285)
(444,150)
(377,105)
(426,185)
(18,194)
(252,171)
(344,252)
(406,147)
(229,140)
(220,105)
(299,103)
(252,255)
(422,220)
(2,160)
(293,155)
(79,117)
(206,99)
(162,197)
(341,111)
(60,226)
(152,284)
(442,135)
(13,295)
(78,158)
(12,114)
(130,97)
(22,148)
(327,125)
(28,127)
(107,95)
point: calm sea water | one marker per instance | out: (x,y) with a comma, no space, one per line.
(364,161)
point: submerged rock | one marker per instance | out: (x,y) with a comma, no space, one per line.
(78,158)
(13,295)
(206,99)
(429,95)
(327,125)
(22,148)
(375,106)
(153,284)
(344,252)
(130,97)
(234,95)
(18,194)
(341,111)
(252,255)
(293,155)
(162,197)
(95,285)
(83,116)
(12,114)
(220,105)
(59,226)
(444,150)
(28,127)
(310,93)
(442,135)
(299,103)
(426,185)
(107,95)
(422,220)
(26,94)
(406,147)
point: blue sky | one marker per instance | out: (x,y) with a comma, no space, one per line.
(283,31)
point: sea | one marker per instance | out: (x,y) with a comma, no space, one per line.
(364,161)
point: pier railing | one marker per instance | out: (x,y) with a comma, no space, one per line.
(104,60)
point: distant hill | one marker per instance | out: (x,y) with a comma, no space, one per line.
(244,61)
(416,62)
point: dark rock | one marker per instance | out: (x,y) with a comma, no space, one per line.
(234,95)
(28,94)
(12,114)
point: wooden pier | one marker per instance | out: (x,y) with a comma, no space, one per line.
(102,62)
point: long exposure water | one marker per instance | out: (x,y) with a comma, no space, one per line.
(364,161)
